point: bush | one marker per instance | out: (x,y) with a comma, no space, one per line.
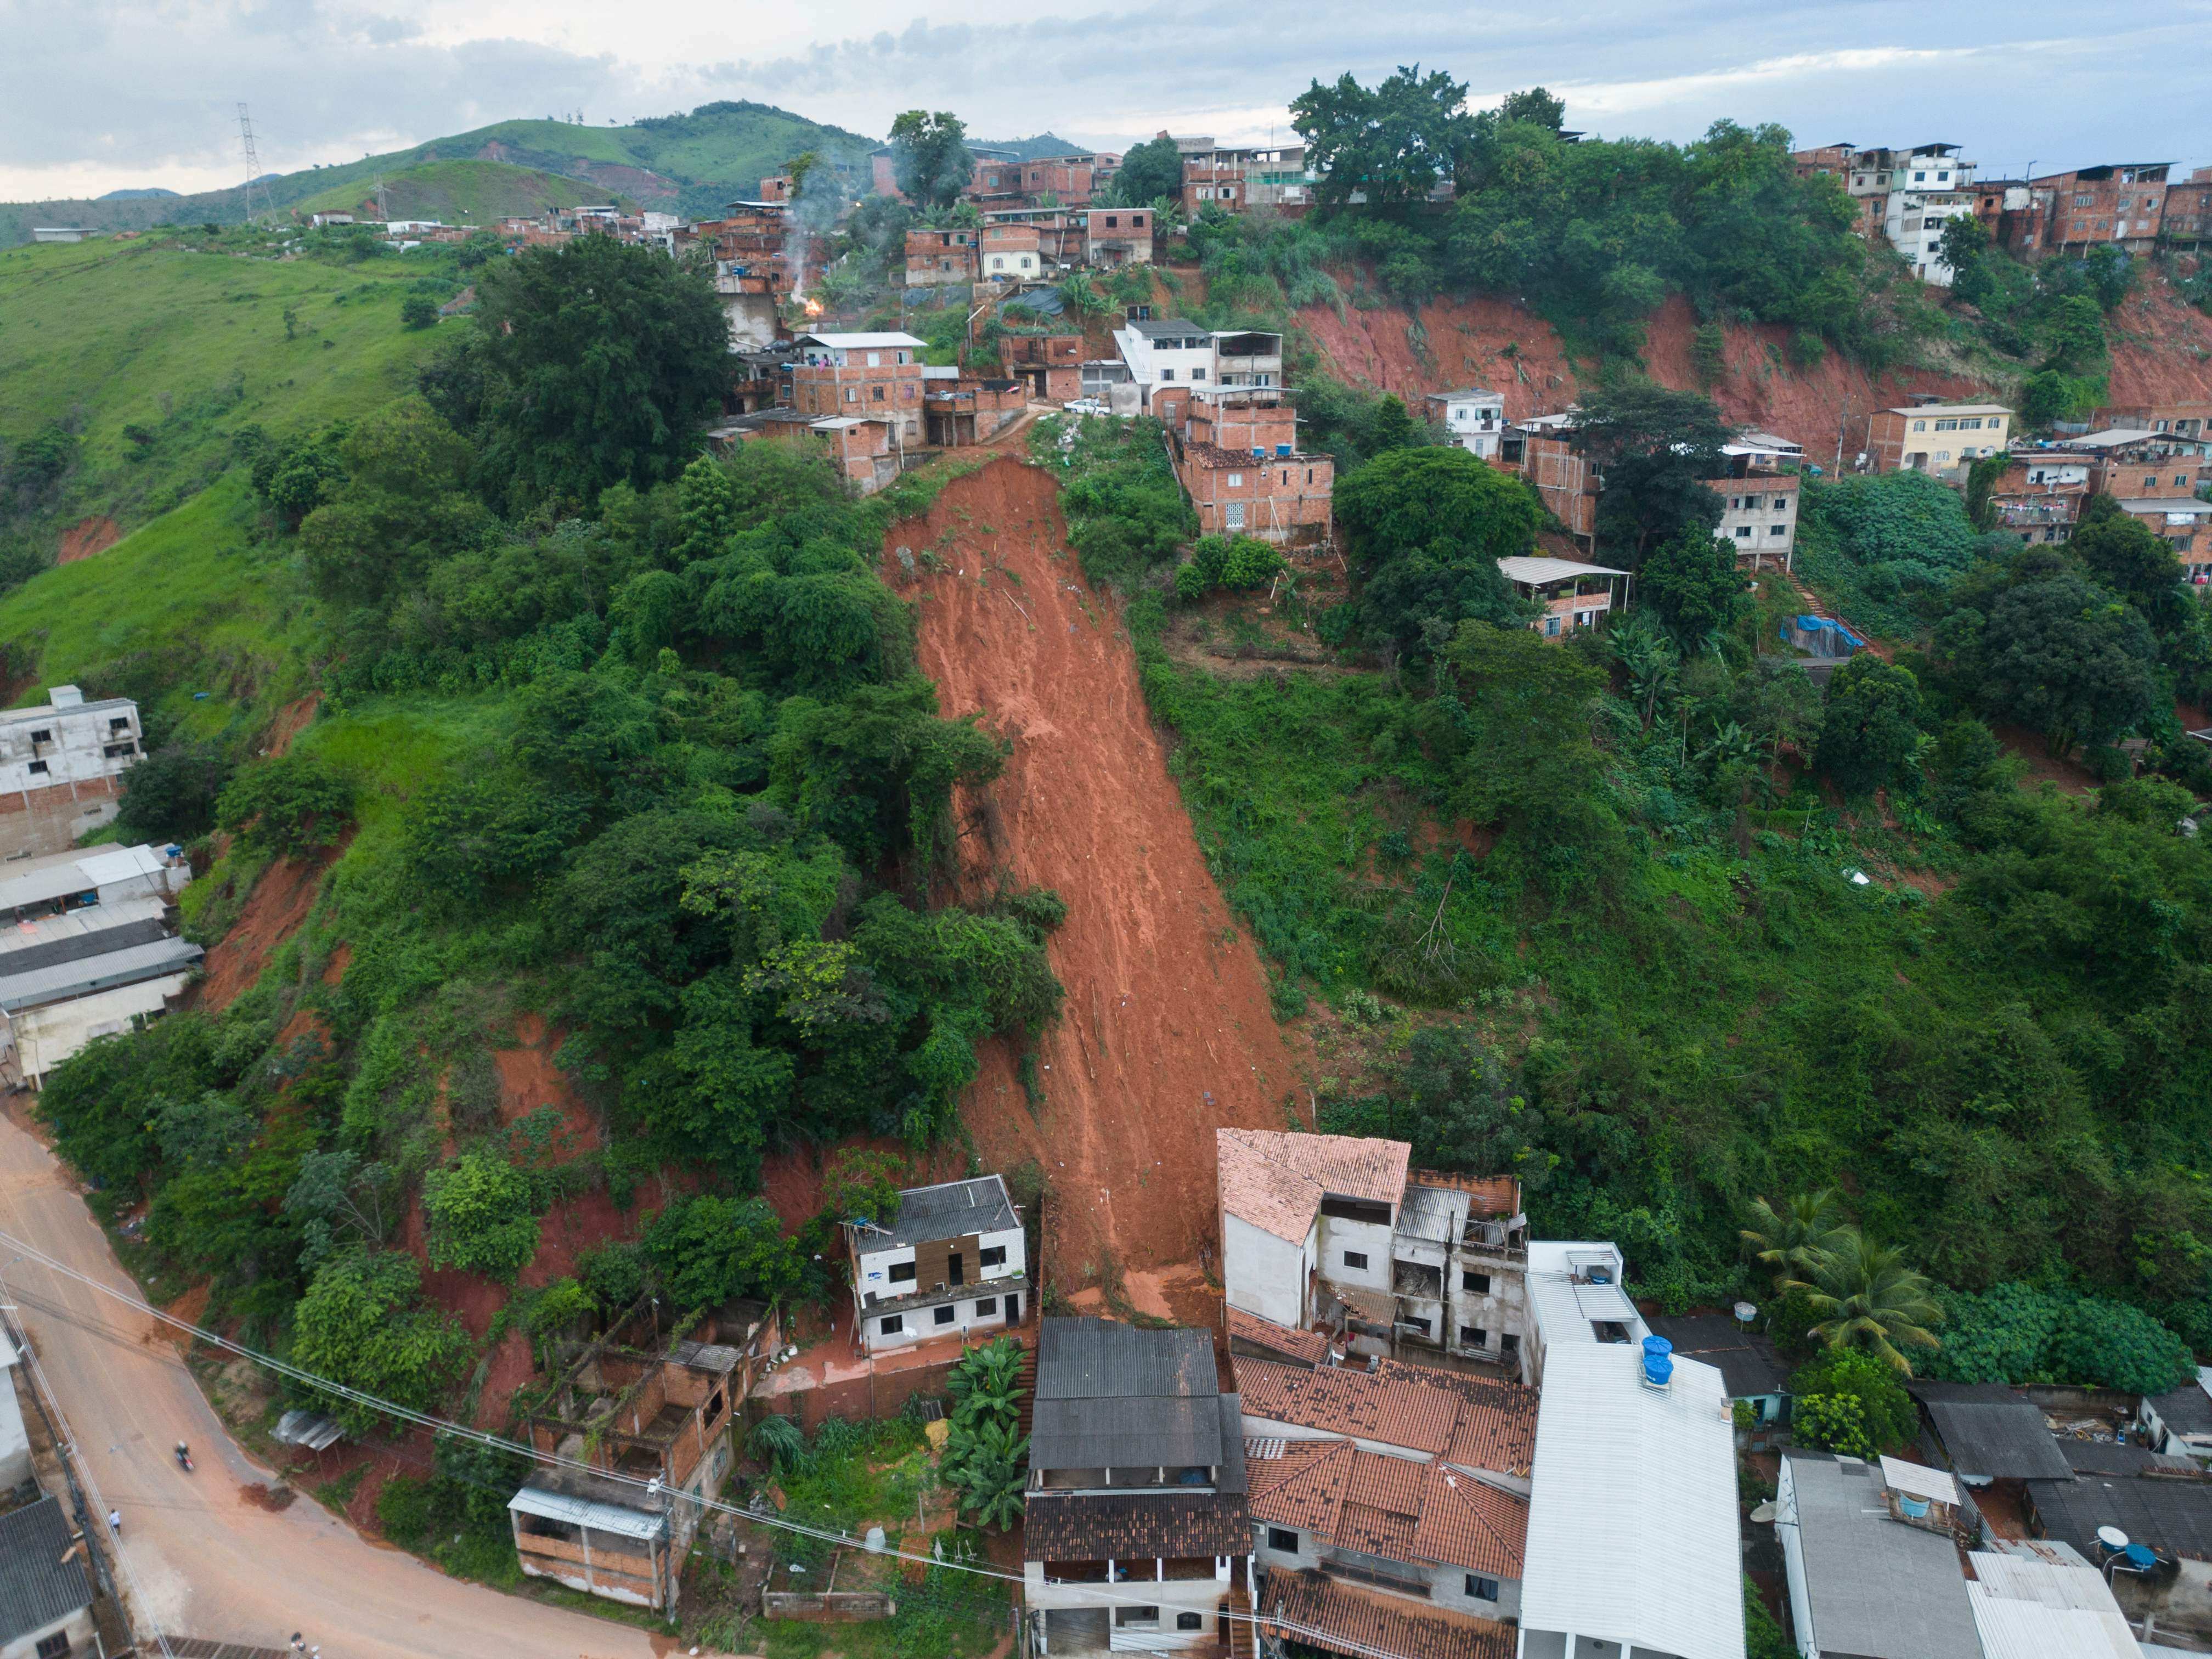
(171,795)
(418,310)
(1862,1401)
(1239,561)
(285,805)
(706,1248)
(363,1323)
(2017,1334)
(482,1215)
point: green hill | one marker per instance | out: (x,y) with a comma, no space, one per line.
(675,163)
(458,193)
(153,359)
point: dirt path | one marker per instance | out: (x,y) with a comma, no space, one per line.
(1167,1032)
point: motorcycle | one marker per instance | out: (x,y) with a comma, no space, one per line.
(184,1457)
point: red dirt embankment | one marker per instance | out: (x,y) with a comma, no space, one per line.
(87,536)
(1166,1032)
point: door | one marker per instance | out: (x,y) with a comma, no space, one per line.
(955,1268)
(1014,1309)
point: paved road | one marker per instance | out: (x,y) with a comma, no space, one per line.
(210,1562)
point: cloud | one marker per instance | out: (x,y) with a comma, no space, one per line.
(141,92)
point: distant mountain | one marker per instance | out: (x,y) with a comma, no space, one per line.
(1028,149)
(689,164)
(154,195)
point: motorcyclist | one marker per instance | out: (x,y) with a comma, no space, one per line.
(183,1455)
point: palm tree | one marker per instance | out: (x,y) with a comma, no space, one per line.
(1868,1297)
(990,1466)
(1796,1235)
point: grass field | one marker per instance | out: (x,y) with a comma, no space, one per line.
(158,357)
(456,192)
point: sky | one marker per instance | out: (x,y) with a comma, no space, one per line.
(138,93)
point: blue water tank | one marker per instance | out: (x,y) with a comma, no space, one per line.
(1658,1368)
(1282,449)
(2140,1558)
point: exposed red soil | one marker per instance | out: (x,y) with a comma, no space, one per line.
(87,536)
(2161,346)
(1482,341)
(291,719)
(529,1077)
(272,1498)
(280,901)
(1166,1032)
(2042,766)
(791,1181)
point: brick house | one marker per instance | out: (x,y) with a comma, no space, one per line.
(2155,477)
(631,1408)
(1236,178)
(1575,596)
(940,258)
(1050,364)
(1935,437)
(2188,221)
(865,374)
(2041,494)
(1237,452)
(963,410)
(2119,203)
(1540,452)
(777,188)
(2188,418)
(1113,237)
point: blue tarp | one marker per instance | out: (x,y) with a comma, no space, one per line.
(1821,636)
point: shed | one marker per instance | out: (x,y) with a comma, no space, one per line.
(1991,1433)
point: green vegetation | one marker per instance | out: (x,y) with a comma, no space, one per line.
(453,192)
(1850,1401)
(986,1454)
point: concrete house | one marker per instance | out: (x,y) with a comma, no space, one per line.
(61,768)
(1474,419)
(1171,353)
(1929,186)
(1574,595)
(954,1261)
(1336,1231)
(1935,437)
(642,1429)
(1577,1298)
(1871,1559)
(45,1597)
(1136,1536)
(1758,490)
(1113,237)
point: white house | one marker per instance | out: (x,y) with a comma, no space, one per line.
(1928,188)
(1474,418)
(14,1443)
(61,763)
(1578,1298)
(1172,352)
(1632,1546)
(1337,1229)
(952,1262)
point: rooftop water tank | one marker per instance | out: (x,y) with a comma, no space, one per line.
(1658,1367)
(1282,449)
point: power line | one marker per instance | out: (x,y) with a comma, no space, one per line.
(648,1486)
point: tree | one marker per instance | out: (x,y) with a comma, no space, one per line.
(418,310)
(707,1249)
(1870,730)
(482,1213)
(603,363)
(400,510)
(1655,447)
(171,794)
(288,805)
(2070,659)
(2129,557)
(361,1323)
(989,1465)
(1693,584)
(1457,1106)
(1535,107)
(1981,480)
(1786,1238)
(1439,500)
(934,163)
(1865,1295)
(1392,144)
(1861,1407)
(1964,245)
(1148,171)
(859,1183)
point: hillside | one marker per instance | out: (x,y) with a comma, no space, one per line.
(679,163)
(157,357)
(458,192)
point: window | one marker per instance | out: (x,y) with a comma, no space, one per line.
(2122,202)
(893,1324)
(1420,1325)
(993,1256)
(1478,1283)
(876,393)
(902,1273)
(2082,200)
(1189,1621)
(875,360)
(38,766)
(1508,1346)
(1233,515)
(115,751)
(1946,426)
(120,723)
(1167,374)
(1920,426)
(1919,177)
(852,394)
(986,1307)
(1942,178)
(1283,1538)
(1237,481)
(1778,530)
(902,356)
(1480,1588)
(52,1647)
(1552,627)
(946,1314)
(1355,1259)
(2150,480)
(1111,221)
(42,735)
(1743,532)
(1473,1336)
(1136,1615)
(1136,222)
(2181,481)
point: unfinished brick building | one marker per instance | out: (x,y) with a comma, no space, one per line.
(1237,452)
(2120,202)
(964,411)
(865,374)
(938,258)
(1050,365)
(631,1410)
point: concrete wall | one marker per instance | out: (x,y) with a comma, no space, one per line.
(1201,1596)
(49,820)
(1447,1584)
(1500,1312)
(77,1627)
(753,320)
(1263,1274)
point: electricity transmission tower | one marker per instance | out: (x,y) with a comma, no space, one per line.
(253,165)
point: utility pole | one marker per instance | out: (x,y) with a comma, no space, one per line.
(253,161)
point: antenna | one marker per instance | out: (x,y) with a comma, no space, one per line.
(253,162)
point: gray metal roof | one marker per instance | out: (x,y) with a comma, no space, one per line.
(2187,1409)
(1126,1434)
(37,1586)
(1231,1477)
(1171,328)
(1748,1365)
(104,972)
(953,1211)
(1878,1589)
(1099,1359)
(1988,1430)
(578,1511)
(74,944)
(2173,1517)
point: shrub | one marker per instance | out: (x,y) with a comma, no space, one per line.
(287,805)
(482,1215)
(418,310)
(2017,1334)
(1864,1397)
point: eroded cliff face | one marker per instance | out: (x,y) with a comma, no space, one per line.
(2161,352)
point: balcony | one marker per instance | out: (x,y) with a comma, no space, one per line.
(1372,1570)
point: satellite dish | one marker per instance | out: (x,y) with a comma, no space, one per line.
(2112,1538)
(1745,1313)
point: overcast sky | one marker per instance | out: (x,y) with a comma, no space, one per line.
(99,94)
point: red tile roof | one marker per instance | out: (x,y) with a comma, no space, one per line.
(1347,1619)
(1392,1507)
(1471,1420)
(1275,1180)
(1310,1347)
(1465,1522)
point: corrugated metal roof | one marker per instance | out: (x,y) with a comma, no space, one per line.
(97,973)
(860,341)
(1875,1587)
(84,873)
(1988,1430)
(953,1210)
(1538,568)
(617,1518)
(1099,1359)
(2011,1629)
(1919,1481)
(1632,1531)
(1144,1431)
(37,1586)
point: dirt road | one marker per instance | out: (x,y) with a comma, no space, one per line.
(211,1562)
(1166,1032)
